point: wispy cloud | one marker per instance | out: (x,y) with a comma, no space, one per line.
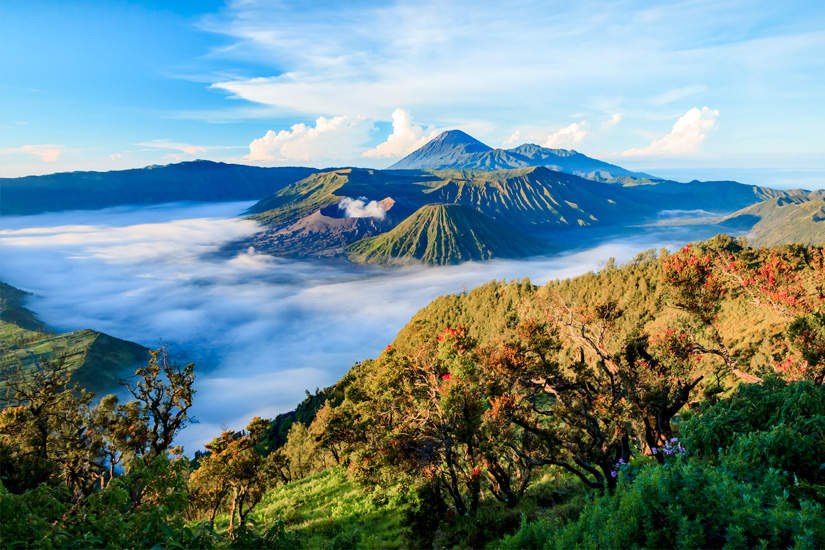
(680,93)
(47,153)
(686,136)
(187,149)
(608,124)
(405,138)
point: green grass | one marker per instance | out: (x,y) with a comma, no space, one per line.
(326,510)
(26,348)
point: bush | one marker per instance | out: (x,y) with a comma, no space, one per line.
(689,505)
(773,425)
(754,478)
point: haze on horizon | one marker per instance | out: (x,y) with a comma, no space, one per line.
(687,89)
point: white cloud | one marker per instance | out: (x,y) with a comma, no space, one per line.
(687,135)
(330,138)
(47,153)
(567,137)
(614,120)
(513,139)
(356,208)
(405,137)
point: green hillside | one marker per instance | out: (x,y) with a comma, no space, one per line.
(440,234)
(303,219)
(97,361)
(782,220)
(537,196)
(327,188)
(13,311)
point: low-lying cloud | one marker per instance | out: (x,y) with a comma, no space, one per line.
(260,329)
(357,208)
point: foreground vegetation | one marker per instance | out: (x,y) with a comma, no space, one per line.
(676,401)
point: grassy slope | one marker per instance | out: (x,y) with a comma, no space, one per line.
(320,190)
(782,221)
(537,197)
(97,361)
(523,197)
(327,509)
(443,234)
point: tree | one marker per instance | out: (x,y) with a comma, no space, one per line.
(233,475)
(61,456)
(164,390)
(428,416)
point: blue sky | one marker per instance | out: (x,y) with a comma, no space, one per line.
(682,88)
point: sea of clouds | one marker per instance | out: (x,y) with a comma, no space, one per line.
(260,329)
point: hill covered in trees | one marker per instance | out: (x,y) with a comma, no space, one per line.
(677,400)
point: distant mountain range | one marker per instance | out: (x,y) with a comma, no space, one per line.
(304,219)
(456,149)
(527,190)
(200,181)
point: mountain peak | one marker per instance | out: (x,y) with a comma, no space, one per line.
(442,151)
(455,149)
(459,139)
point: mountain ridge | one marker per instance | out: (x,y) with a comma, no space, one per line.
(199,180)
(781,220)
(454,149)
(439,234)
